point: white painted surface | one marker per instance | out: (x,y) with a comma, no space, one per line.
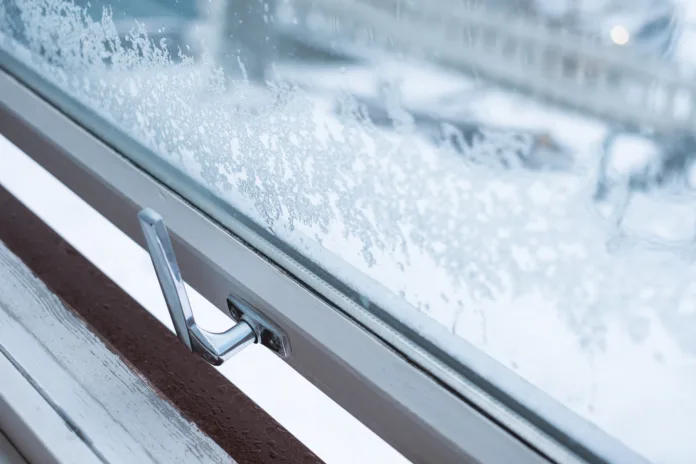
(8,453)
(117,414)
(33,425)
(321,424)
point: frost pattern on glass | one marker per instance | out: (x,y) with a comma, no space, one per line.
(584,295)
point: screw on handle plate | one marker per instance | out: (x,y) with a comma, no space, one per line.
(251,327)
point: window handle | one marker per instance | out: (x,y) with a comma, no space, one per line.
(251,327)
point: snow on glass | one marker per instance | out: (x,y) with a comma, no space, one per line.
(522,263)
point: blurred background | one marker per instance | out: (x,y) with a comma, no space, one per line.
(424,64)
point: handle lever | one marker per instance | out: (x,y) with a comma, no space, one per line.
(251,327)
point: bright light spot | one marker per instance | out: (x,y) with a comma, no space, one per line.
(619,35)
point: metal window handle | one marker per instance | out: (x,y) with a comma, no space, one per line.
(251,327)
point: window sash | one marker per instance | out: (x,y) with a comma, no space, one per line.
(407,394)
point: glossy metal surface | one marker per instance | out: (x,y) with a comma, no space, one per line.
(269,335)
(216,348)
(213,347)
(168,273)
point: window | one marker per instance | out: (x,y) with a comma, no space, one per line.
(502,257)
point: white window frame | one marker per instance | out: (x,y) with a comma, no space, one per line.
(426,407)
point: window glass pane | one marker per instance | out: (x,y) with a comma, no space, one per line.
(518,175)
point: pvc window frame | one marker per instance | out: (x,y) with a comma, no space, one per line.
(399,389)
